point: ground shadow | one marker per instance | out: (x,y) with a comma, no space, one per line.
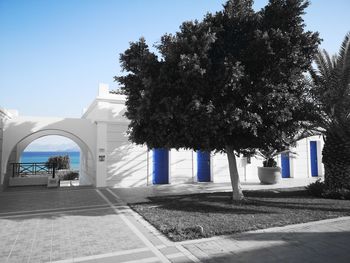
(277,247)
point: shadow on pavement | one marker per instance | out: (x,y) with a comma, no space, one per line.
(277,247)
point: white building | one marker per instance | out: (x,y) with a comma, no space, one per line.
(109,159)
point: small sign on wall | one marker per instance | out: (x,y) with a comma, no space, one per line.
(249,161)
(101,158)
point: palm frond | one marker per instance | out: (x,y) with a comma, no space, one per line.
(324,65)
(344,47)
(345,53)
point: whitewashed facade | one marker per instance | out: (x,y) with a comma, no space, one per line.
(109,159)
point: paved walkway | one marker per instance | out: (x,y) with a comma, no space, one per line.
(95,225)
(82,225)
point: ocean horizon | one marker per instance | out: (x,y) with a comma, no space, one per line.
(43,156)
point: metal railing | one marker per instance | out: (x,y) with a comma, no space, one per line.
(19,169)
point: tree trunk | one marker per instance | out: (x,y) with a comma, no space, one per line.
(336,160)
(236,185)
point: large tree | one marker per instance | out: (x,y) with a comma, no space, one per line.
(230,83)
(331,96)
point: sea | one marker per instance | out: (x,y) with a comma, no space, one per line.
(41,157)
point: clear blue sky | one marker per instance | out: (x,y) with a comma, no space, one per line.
(53,53)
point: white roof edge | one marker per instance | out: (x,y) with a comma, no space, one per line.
(8,114)
(120,99)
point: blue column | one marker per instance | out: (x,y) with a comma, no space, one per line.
(160,166)
(285,165)
(203,166)
(313,158)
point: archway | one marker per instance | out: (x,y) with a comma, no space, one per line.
(44,149)
(87,171)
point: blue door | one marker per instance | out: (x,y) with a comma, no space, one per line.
(313,158)
(285,165)
(160,166)
(203,166)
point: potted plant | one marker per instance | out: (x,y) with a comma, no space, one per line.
(269,173)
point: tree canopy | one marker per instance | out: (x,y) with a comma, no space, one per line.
(231,82)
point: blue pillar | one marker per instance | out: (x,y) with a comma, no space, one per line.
(203,166)
(160,166)
(285,165)
(313,158)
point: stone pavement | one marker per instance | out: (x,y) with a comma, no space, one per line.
(95,225)
(81,225)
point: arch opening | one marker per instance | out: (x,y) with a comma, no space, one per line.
(39,146)
(46,149)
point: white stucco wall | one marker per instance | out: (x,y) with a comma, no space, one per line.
(4,115)
(126,164)
(182,168)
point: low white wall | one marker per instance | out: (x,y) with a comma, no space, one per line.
(26,181)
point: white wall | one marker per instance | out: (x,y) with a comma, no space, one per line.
(301,166)
(127,164)
(182,168)
(221,172)
(220,168)
(4,115)
(87,169)
(1,136)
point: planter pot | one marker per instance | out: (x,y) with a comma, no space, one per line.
(269,175)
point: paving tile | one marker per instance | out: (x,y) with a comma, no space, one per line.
(182,259)
(169,250)
(125,258)
(15,260)
(195,250)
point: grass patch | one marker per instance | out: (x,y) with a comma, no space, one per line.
(205,215)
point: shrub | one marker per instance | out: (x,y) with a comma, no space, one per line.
(338,193)
(62,162)
(71,176)
(270,162)
(317,188)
